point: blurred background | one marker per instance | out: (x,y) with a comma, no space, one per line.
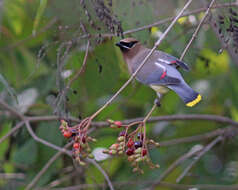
(42,46)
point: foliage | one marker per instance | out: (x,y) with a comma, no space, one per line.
(43,44)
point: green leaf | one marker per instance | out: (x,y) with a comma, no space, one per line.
(39,14)
(26,154)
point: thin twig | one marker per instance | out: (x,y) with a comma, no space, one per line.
(173,166)
(13,130)
(163,21)
(215,29)
(149,114)
(197,30)
(201,137)
(200,154)
(148,182)
(64,92)
(103,172)
(157,43)
(196,11)
(58,181)
(176,117)
(44,29)
(81,70)
(10,176)
(46,167)
(11,109)
(36,138)
(193,117)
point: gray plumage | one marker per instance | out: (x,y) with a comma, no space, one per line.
(159,72)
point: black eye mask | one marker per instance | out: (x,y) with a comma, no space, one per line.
(129,45)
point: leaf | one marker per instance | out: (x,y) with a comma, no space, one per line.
(26,154)
(39,14)
(9,89)
(6,127)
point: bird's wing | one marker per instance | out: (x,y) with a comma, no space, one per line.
(171,60)
(161,76)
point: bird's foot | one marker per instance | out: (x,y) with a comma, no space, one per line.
(157,102)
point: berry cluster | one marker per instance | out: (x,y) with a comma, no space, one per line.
(81,148)
(134,145)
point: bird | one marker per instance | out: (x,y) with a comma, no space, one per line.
(160,72)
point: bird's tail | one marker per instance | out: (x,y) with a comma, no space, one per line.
(186,93)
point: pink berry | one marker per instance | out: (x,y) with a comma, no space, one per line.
(118,123)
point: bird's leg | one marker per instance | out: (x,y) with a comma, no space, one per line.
(157,100)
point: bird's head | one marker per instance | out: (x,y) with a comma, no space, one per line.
(127,44)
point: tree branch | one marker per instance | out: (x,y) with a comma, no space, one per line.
(13,130)
(200,154)
(36,138)
(102,172)
(173,166)
(157,43)
(201,137)
(46,167)
(215,29)
(197,30)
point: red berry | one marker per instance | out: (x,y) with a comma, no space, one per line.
(67,134)
(144,152)
(130,143)
(76,145)
(118,123)
(130,151)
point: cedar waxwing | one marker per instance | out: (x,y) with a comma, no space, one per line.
(159,72)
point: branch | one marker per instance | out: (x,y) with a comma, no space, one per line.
(10,109)
(30,37)
(200,154)
(177,117)
(205,136)
(184,157)
(81,70)
(36,138)
(196,11)
(13,130)
(58,181)
(215,29)
(148,182)
(102,171)
(197,30)
(64,92)
(10,176)
(46,166)
(173,166)
(157,43)
(163,21)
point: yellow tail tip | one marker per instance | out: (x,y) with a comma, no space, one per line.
(195,101)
